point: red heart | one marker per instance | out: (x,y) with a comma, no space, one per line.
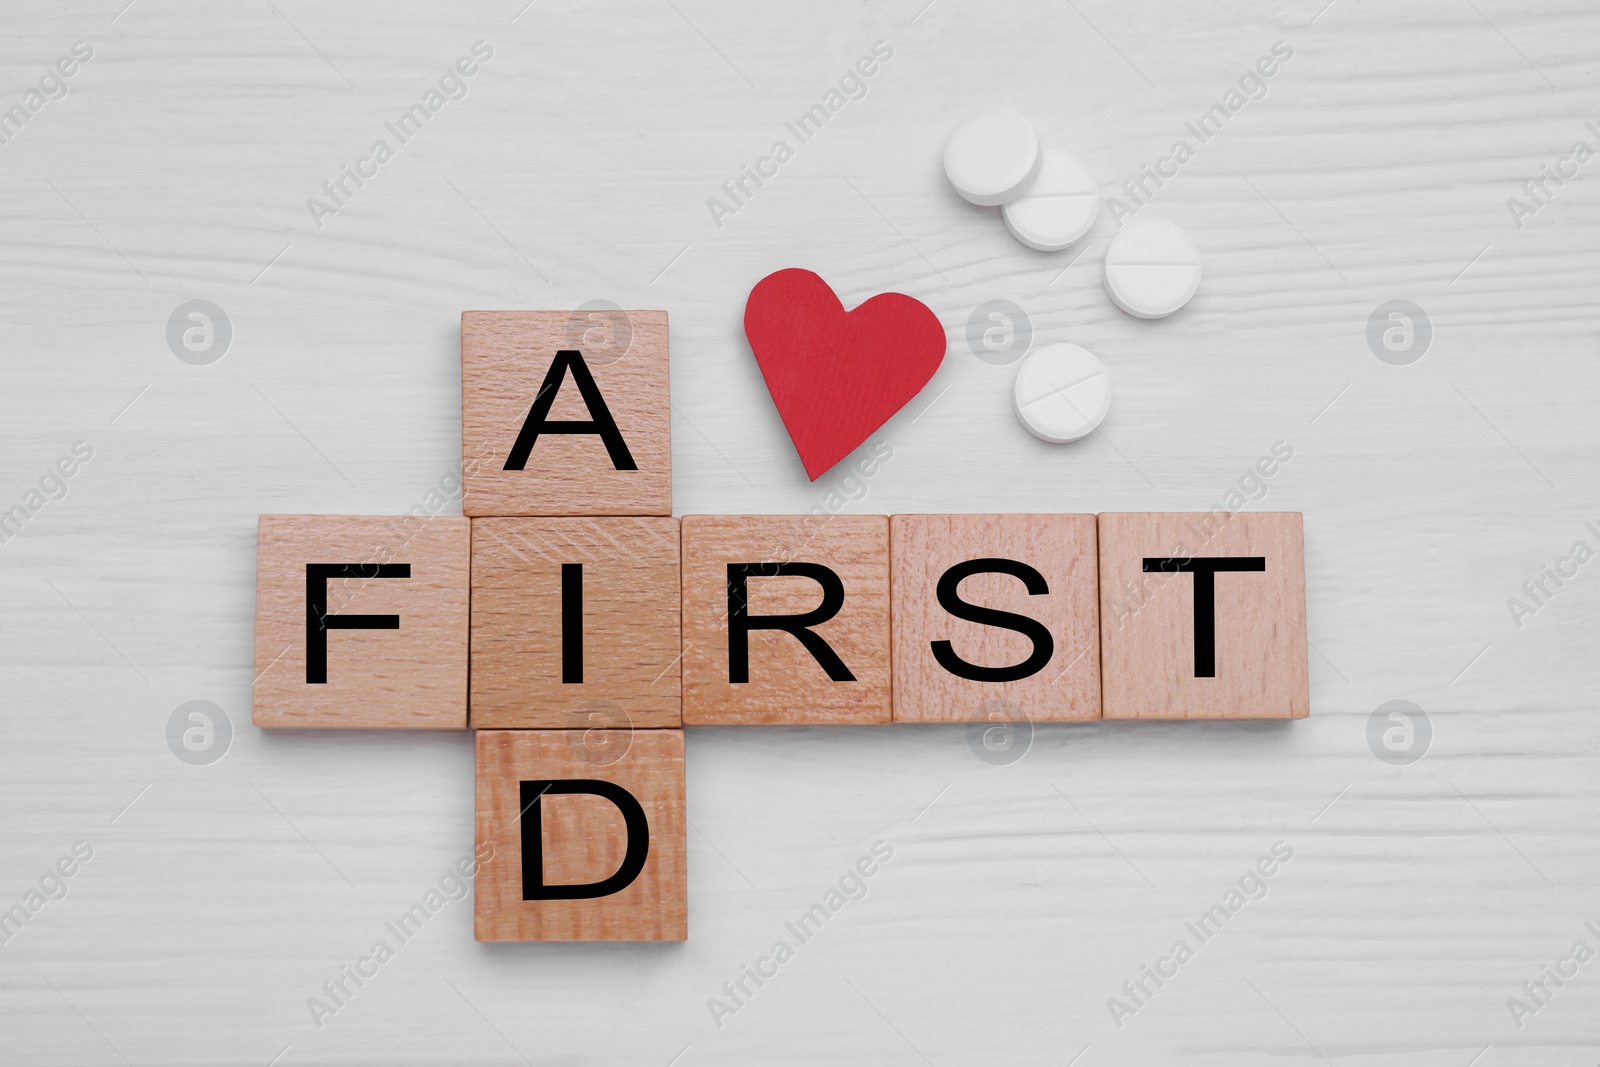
(836,375)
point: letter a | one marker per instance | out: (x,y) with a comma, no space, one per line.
(600,421)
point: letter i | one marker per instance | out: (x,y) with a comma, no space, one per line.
(572,623)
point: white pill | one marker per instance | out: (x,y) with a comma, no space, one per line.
(1057,209)
(1152,269)
(992,156)
(1062,393)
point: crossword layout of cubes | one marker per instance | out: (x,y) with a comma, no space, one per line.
(578,626)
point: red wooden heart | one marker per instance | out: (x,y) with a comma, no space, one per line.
(836,375)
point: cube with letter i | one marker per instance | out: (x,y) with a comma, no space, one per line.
(575,623)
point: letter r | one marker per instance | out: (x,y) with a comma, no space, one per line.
(741,622)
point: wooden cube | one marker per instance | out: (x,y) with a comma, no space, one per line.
(575,623)
(1203,615)
(361,622)
(565,413)
(785,619)
(996,618)
(584,841)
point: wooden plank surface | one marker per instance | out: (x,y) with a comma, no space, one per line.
(577,167)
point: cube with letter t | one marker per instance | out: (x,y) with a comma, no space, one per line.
(1203,615)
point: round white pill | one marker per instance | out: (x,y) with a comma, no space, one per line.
(992,156)
(1062,393)
(1057,209)
(1152,269)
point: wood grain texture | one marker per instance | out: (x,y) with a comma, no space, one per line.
(1147,647)
(1061,548)
(413,677)
(1378,166)
(584,837)
(787,684)
(630,642)
(505,357)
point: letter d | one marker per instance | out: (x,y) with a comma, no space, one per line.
(638,827)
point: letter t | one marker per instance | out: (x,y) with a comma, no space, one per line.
(1204,569)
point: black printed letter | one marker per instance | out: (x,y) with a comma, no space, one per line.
(572,623)
(319,622)
(533,887)
(600,421)
(741,622)
(1204,569)
(1044,645)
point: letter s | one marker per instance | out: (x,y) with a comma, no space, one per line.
(948,591)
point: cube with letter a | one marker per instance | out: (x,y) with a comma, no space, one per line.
(565,413)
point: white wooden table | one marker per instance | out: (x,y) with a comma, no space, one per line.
(1021,896)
